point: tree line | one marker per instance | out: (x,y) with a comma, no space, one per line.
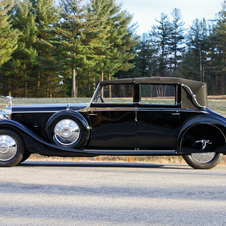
(60,51)
(197,53)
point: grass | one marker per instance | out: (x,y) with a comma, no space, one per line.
(217,105)
(130,159)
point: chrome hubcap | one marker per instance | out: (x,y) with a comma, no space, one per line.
(66,132)
(8,147)
(204,157)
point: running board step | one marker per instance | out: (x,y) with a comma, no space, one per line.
(130,152)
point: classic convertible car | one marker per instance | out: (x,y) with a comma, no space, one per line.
(134,116)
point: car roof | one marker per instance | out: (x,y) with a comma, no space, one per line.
(198,89)
(154,80)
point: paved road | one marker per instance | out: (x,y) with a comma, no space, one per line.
(56,193)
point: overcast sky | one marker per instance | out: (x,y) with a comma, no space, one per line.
(145,11)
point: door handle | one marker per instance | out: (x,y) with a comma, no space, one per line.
(136,109)
(176,113)
(92,114)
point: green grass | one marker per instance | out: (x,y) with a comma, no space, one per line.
(218,106)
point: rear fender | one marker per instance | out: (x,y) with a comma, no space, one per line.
(202,128)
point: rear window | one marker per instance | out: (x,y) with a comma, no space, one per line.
(158,94)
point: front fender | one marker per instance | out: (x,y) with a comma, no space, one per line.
(35,144)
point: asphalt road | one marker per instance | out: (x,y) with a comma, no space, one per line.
(59,193)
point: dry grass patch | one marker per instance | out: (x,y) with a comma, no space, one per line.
(131,159)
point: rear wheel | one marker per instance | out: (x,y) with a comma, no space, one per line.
(205,160)
(201,146)
(11,148)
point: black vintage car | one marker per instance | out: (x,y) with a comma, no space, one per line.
(134,116)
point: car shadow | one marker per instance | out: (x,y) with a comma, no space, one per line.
(101,164)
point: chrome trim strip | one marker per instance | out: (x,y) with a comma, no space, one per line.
(24,112)
(95,94)
(93,109)
(193,96)
(141,152)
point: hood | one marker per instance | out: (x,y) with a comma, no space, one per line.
(45,108)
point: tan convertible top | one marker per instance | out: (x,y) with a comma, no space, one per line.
(191,89)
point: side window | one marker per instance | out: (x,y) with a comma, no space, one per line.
(121,93)
(158,94)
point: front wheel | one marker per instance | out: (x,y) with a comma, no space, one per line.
(205,160)
(11,148)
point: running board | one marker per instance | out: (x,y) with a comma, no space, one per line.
(130,152)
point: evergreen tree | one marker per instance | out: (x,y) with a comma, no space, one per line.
(147,54)
(46,16)
(176,40)
(96,37)
(198,40)
(26,55)
(121,41)
(187,67)
(217,54)
(22,66)
(162,32)
(8,35)
(141,58)
(75,46)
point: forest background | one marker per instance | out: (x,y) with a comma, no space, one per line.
(64,50)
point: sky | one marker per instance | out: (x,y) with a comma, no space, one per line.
(146,11)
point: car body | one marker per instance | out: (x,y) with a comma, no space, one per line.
(124,117)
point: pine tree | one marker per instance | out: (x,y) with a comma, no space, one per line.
(96,37)
(23,65)
(121,41)
(146,58)
(141,58)
(187,67)
(75,46)
(176,40)
(8,35)
(198,42)
(217,53)
(46,16)
(162,31)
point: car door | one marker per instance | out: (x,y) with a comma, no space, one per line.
(113,121)
(158,119)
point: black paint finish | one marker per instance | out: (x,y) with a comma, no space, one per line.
(112,128)
(121,129)
(157,128)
